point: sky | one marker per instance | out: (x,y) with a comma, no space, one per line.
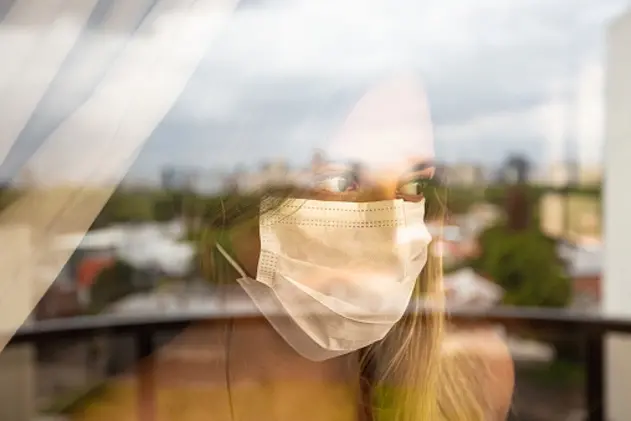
(278,78)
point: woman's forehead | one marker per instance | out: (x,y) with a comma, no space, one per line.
(393,166)
(382,158)
(389,126)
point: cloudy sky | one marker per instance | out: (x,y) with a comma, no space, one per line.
(277,78)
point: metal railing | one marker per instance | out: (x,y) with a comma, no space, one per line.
(589,328)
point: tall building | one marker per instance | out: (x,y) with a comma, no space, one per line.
(318,161)
(179,178)
(516,169)
(462,174)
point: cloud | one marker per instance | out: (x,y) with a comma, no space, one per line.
(129,90)
(491,68)
(53,78)
(564,119)
(282,77)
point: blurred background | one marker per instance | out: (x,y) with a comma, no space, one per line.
(528,102)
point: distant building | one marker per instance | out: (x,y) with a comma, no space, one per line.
(461,175)
(585,266)
(590,175)
(516,170)
(179,178)
(150,248)
(465,288)
(270,174)
(556,175)
(560,174)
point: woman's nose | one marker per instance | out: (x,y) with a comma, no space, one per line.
(378,191)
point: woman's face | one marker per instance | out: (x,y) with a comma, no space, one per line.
(383,151)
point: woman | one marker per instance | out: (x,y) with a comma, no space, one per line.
(331,265)
(93,88)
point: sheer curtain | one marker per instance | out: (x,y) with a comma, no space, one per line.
(83,85)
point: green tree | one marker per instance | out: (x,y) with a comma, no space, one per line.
(127,207)
(165,209)
(110,285)
(525,264)
(518,256)
(460,200)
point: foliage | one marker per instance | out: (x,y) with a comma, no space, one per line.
(142,205)
(496,194)
(526,264)
(460,200)
(110,285)
(557,374)
(165,209)
(129,208)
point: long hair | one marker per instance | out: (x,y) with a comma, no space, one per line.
(415,379)
(412,378)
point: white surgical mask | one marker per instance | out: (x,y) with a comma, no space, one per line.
(334,277)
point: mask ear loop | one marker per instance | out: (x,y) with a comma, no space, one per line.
(232,262)
(229,332)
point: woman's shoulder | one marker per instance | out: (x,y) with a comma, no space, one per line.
(481,358)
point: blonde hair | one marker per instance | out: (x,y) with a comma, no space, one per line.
(416,380)
(412,378)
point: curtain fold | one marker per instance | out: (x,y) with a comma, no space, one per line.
(88,145)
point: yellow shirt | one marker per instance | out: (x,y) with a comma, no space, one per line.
(268,381)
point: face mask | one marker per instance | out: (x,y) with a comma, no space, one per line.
(334,277)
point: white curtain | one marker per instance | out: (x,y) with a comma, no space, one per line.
(107,71)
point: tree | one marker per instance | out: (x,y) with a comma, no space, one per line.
(164,209)
(460,200)
(126,207)
(524,261)
(112,284)
(520,258)
(526,265)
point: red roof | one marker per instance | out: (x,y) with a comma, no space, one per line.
(90,267)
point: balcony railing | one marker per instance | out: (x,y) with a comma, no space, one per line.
(590,329)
